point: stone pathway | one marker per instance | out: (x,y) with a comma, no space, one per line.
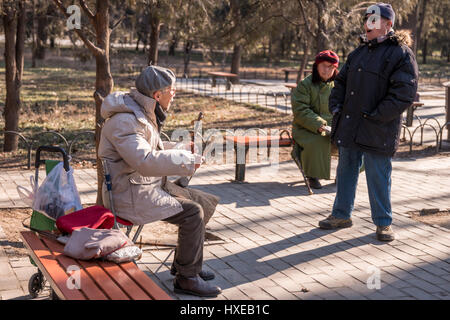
(272,247)
(274,250)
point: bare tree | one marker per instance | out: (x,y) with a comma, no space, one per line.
(100,22)
(14,27)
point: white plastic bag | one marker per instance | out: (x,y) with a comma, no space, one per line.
(58,194)
(125,254)
(27,195)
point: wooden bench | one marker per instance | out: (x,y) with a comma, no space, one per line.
(228,76)
(246,142)
(290,85)
(288,70)
(410,112)
(98,280)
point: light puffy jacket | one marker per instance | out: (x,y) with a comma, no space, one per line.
(138,163)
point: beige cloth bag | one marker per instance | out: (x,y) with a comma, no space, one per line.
(87,243)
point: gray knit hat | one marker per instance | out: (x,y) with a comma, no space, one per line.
(154,78)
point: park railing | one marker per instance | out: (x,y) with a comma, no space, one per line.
(81,142)
(267,73)
(281,101)
(243,93)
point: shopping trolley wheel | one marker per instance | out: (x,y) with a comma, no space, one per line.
(36,284)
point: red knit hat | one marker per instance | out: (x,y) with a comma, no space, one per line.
(328,56)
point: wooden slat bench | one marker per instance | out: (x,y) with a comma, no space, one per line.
(247,142)
(288,70)
(228,76)
(410,112)
(99,280)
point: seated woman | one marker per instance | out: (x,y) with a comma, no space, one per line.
(312,117)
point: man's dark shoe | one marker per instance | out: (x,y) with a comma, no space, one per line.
(314,183)
(195,286)
(333,223)
(385,233)
(204,274)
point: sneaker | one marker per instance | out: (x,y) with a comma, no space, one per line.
(333,223)
(385,233)
(314,183)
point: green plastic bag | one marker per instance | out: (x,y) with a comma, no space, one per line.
(38,220)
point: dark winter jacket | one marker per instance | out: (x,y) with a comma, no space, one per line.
(375,86)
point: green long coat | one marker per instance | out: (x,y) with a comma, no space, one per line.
(310,109)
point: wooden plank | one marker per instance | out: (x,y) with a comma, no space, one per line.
(87,285)
(104,280)
(126,283)
(54,273)
(222,74)
(258,140)
(147,284)
(290,85)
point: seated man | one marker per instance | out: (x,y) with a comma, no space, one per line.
(139,166)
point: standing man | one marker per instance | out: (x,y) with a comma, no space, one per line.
(139,164)
(377,83)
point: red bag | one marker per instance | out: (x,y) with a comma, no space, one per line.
(95,217)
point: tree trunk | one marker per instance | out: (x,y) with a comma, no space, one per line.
(236,62)
(173,46)
(41,36)
(424,50)
(322,41)
(14,27)
(104,83)
(283,45)
(187,57)
(34,34)
(301,72)
(413,19)
(422,15)
(154,40)
(138,40)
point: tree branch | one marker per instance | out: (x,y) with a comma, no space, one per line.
(96,51)
(87,11)
(306,20)
(118,22)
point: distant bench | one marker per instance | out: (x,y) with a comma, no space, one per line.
(289,70)
(410,112)
(228,76)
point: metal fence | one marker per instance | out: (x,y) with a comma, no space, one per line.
(249,94)
(281,101)
(426,77)
(28,144)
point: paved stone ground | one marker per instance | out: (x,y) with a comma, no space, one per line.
(274,250)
